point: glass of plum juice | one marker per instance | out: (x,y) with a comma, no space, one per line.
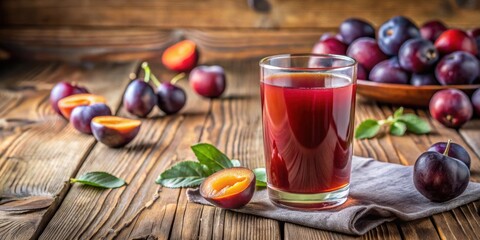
(308,107)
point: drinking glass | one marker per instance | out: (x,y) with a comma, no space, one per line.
(308,107)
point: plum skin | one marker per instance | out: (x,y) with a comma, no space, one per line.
(457,68)
(389,71)
(456,151)
(139,98)
(423,79)
(417,55)
(353,28)
(476,101)
(171,98)
(361,72)
(394,32)
(330,46)
(455,40)
(366,52)
(112,137)
(82,116)
(208,81)
(431,30)
(62,90)
(451,107)
(440,178)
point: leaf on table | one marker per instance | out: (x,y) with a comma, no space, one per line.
(367,129)
(211,157)
(398,128)
(415,124)
(26,204)
(99,179)
(398,112)
(260,176)
(184,174)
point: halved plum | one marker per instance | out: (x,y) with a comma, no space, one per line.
(181,57)
(66,105)
(115,131)
(63,90)
(229,188)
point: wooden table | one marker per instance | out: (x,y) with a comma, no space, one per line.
(39,152)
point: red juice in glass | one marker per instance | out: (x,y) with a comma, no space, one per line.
(308,131)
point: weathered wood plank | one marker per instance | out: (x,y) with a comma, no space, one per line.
(39,151)
(227,14)
(233,125)
(106,44)
(201,121)
(162,141)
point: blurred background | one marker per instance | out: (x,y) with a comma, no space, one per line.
(123,30)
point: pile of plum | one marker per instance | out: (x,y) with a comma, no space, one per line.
(401,53)
(88,113)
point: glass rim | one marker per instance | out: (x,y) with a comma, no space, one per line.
(263,62)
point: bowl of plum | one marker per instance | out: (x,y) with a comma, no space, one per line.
(401,63)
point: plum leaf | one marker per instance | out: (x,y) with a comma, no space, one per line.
(184,174)
(261,177)
(211,157)
(415,124)
(398,128)
(99,180)
(367,129)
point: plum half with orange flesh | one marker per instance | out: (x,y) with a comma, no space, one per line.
(115,131)
(181,57)
(229,188)
(66,105)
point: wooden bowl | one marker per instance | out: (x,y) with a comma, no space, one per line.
(405,95)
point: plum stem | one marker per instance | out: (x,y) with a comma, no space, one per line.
(447,148)
(155,80)
(149,74)
(177,78)
(147,71)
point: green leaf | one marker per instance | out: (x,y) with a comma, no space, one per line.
(261,177)
(398,113)
(398,128)
(184,174)
(415,124)
(236,163)
(211,157)
(367,129)
(99,179)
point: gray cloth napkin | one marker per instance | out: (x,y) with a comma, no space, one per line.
(379,192)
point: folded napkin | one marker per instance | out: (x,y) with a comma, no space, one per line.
(379,192)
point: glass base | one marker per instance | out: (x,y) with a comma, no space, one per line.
(308,202)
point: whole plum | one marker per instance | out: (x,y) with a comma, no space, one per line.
(451,107)
(389,71)
(457,68)
(394,32)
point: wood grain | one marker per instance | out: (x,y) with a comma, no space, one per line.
(162,141)
(39,152)
(232,123)
(106,44)
(228,14)
(202,120)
